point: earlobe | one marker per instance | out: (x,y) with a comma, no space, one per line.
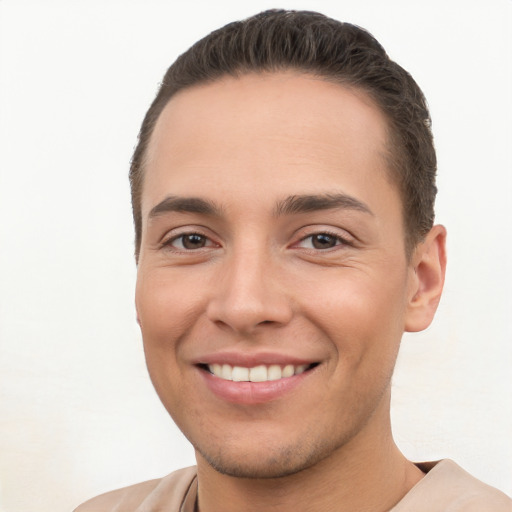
(429,266)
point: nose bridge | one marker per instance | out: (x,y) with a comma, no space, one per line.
(249,293)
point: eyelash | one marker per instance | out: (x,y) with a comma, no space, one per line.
(168,243)
(339,241)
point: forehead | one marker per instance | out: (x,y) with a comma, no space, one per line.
(277,131)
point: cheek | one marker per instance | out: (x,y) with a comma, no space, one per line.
(166,310)
(166,307)
(360,313)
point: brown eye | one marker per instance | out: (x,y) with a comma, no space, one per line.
(189,242)
(193,241)
(323,241)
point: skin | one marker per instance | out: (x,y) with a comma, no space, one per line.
(258,281)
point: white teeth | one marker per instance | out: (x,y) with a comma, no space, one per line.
(240,374)
(288,370)
(274,372)
(226,372)
(259,373)
(300,369)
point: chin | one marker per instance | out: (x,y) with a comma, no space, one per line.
(272,467)
(268,462)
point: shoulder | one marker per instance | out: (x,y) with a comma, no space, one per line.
(169,490)
(446,486)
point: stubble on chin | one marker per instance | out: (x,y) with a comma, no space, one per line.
(265,462)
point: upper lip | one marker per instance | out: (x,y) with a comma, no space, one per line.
(252,359)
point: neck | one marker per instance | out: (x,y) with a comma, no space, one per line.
(369,474)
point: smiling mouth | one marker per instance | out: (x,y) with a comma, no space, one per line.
(260,373)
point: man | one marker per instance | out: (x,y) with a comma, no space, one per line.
(283,190)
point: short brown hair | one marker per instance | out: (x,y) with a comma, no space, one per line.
(278,40)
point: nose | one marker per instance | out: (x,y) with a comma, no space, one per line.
(249,294)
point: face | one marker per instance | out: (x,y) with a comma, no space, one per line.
(273,286)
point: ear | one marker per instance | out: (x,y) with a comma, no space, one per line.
(428,270)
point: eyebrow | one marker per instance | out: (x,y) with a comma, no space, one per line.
(184,205)
(291,205)
(310,203)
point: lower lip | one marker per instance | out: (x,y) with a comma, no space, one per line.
(252,392)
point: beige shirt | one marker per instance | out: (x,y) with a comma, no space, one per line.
(445,488)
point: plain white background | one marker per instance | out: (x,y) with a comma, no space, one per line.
(78,415)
